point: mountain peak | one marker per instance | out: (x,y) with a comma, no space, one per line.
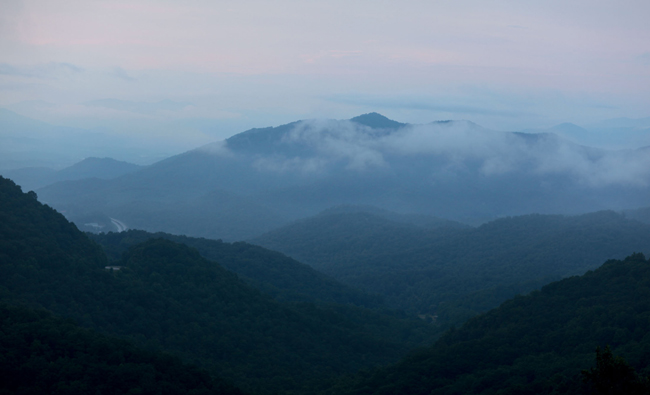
(92,167)
(377,121)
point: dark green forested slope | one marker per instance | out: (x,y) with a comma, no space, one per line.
(419,220)
(171,295)
(168,296)
(349,242)
(453,272)
(32,233)
(41,354)
(270,271)
(536,344)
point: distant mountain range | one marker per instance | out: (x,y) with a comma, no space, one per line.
(450,271)
(31,178)
(371,202)
(28,143)
(260,179)
(622,133)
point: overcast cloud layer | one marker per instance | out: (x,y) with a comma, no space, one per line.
(230,66)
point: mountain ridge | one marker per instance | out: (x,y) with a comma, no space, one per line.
(91,167)
(269,271)
(377,121)
(456,272)
(454,170)
(534,344)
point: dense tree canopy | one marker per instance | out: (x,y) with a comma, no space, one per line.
(536,344)
(452,272)
(270,271)
(41,354)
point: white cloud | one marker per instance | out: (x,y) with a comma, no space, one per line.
(339,140)
(458,144)
(218,148)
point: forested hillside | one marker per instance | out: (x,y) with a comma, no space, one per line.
(166,296)
(537,344)
(454,272)
(269,271)
(42,354)
(419,220)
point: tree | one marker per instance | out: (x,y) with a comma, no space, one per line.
(613,376)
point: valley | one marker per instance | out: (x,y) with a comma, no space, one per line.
(311,258)
(324,197)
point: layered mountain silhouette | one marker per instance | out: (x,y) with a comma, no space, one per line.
(262,178)
(449,271)
(163,295)
(31,178)
(26,142)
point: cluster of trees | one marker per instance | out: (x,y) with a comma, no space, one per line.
(42,354)
(538,344)
(612,376)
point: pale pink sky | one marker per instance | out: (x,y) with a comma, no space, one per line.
(504,64)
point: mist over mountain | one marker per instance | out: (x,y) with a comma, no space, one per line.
(27,142)
(290,197)
(619,133)
(640,214)
(638,123)
(31,178)
(394,202)
(262,178)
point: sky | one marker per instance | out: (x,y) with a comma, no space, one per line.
(185,73)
